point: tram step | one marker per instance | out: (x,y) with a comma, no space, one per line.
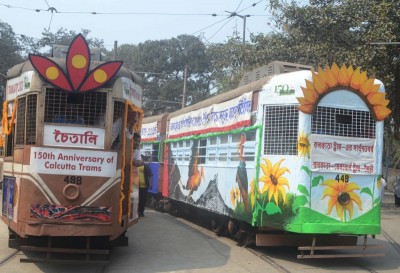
(363,248)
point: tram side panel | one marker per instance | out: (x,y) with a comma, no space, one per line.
(281,170)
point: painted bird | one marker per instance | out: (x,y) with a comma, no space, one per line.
(241,173)
(195,179)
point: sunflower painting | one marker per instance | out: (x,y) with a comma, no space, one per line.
(303,145)
(341,196)
(325,81)
(274,181)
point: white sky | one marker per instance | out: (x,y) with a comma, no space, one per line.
(154,19)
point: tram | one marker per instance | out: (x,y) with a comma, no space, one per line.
(295,157)
(66,144)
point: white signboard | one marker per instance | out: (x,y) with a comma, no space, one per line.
(77,137)
(73,162)
(223,116)
(149,131)
(132,91)
(343,155)
(19,85)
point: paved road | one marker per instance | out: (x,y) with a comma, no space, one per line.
(162,243)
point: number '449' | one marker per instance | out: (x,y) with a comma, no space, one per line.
(342,178)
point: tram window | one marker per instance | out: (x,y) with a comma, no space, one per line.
(20,122)
(344,119)
(87,108)
(343,122)
(223,139)
(213,140)
(116,131)
(202,151)
(211,154)
(26,120)
(222,154)
(281,127)
(154,153)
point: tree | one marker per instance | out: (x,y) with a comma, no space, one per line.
(9,52)
(62,37)
(162,64)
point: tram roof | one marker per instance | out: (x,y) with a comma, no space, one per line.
(154,118)
(253,86)
(26,66)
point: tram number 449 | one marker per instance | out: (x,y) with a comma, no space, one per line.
(342,178)
(71,179)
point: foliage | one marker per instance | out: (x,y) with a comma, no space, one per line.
(162,64)
(9,52)
(62,37)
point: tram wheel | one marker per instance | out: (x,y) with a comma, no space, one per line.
(216,226)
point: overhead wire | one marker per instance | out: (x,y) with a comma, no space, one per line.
(54,10)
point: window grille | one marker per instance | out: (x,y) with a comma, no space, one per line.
(281,129)
(31,109)
(343,122)
(20,124)
(26,120)
(88,108)
(151,150)
(116,132)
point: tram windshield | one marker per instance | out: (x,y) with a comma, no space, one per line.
(87,108)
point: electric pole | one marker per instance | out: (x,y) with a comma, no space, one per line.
(244,22)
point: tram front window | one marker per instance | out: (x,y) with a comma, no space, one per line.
(80,109)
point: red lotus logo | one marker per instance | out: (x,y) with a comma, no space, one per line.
(78,77)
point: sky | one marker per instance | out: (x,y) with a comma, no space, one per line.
(136,21)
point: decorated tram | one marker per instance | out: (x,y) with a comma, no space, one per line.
(66,144)
(294,157)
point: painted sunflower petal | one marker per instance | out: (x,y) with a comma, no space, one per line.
(330,78)
(350,187)
(270,193)
(329,192)
(343,77)
(381,112)
(276,196)
(269,164)
(350,209)
(310,95)
(283,193)
(283,181)
(366,86)
(355,81)
(354,197)
(276,167)
(335,70)
(266,170)
(376,98)
(281,171)
(320,85)
(339,210)
(331,203)
(308,109)
(330,183)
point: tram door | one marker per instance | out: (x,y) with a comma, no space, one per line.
(131,175)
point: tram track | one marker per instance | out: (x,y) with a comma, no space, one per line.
(8,257)
(391,241)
